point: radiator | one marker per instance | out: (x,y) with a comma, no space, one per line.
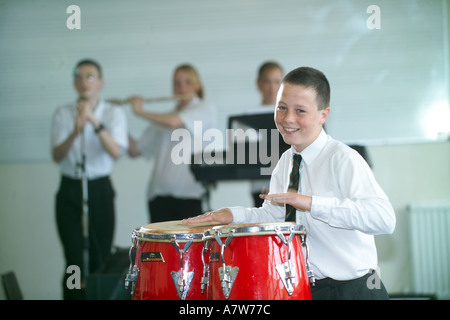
(430,248)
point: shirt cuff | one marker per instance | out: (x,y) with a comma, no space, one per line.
(321,208)
(239,215)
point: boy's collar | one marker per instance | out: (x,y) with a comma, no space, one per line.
(312,151)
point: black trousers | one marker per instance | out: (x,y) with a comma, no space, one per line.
(69,210)
(368,287)
(170,208)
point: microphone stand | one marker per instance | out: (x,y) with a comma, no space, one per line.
(85,207)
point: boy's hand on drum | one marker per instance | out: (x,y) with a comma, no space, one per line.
(221,216)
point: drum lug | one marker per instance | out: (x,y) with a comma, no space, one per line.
(182,283)
(205,278)
(285,272)
(285,269)
(227,276)
(205,281)
(309,271)
(133,271)
(132,276)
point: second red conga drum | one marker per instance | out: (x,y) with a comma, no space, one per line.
(257,262)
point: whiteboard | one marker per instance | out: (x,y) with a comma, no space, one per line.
(388,85)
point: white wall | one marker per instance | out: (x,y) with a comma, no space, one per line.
(407,173)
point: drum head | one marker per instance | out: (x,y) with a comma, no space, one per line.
(255,229)
(171,230)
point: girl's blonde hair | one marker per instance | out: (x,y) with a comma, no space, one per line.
(193,75)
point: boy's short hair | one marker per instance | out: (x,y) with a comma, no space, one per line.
(91,63)
(311,78)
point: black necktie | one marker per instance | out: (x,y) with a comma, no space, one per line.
(294,180)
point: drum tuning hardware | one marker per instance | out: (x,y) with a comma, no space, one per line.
(182,282)
(133,271)
(181,279)
(227,274)
(287,276)
(205,278)
(309,271)
(131,277)
(285,269)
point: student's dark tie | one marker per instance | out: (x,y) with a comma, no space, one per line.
(294,180)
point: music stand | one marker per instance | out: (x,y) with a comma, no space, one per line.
(259,121)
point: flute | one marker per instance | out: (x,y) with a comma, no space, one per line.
(152,100)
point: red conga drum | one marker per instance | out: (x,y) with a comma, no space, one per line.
(261,261)
(169,262)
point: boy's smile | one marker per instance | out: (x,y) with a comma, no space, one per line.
(297,116)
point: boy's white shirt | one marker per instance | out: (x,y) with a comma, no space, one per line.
(348,208)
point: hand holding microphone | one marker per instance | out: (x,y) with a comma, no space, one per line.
(85,114)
